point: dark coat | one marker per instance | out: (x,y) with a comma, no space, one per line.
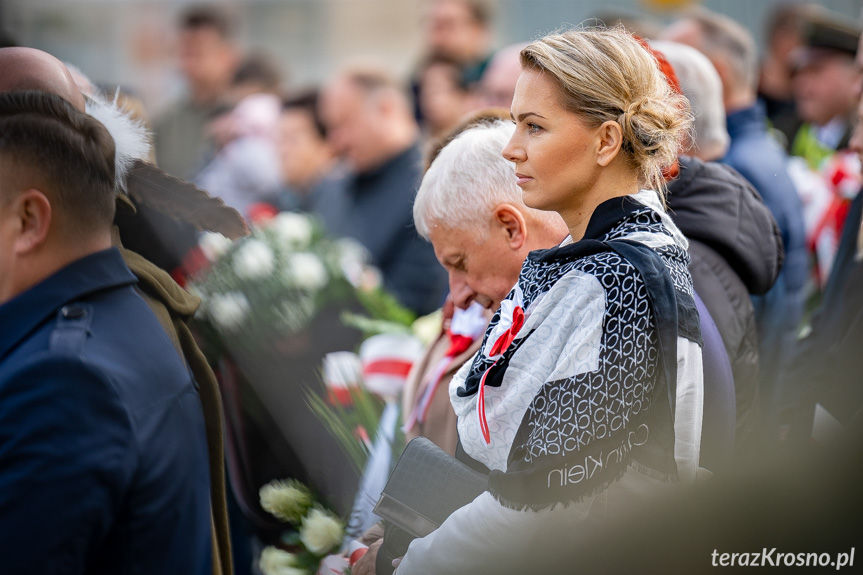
(736,252)
(103,448)
(759,159)
(827,364)
(376,209)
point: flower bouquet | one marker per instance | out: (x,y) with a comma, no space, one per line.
(270,285)
(312,531)
(271,310)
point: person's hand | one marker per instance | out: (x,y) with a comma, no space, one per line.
(366,563)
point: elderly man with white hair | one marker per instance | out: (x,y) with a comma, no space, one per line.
(470,208)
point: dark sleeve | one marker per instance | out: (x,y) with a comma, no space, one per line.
(64,454)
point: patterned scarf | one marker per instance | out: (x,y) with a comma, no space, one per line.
(582,430)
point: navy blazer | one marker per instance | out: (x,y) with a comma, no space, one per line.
(103,452)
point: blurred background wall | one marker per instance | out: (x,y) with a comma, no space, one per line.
(130,41)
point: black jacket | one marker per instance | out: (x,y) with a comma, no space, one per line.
(736,251)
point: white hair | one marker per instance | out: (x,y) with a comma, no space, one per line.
(700,83)
(467,180)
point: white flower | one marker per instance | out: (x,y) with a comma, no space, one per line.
(254,260)
(306,271)
(321,531)
(287,500)
(228,310)
(292,228)
(428,327)
(214,245)
(277,562)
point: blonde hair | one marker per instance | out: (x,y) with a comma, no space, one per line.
(605,74)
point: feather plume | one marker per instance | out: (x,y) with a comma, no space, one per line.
(131,138)
(184,201)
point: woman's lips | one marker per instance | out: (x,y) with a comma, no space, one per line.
(522,179)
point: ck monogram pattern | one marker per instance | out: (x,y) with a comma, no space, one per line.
(568,414)
(584,365)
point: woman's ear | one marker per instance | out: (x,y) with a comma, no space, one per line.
(610,137)
(510,222)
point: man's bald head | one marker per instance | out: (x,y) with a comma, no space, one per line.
(31,69)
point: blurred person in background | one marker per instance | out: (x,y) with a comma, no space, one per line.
(826,86)
(444,97)
(461,31)
(307,159)
(783,35)
(257,73)
(734,244)
(371,127)
(702,86)
(634,22)
(827,361)
(207,59)
(244,168)
(761,160)
(458,31)
(497,84)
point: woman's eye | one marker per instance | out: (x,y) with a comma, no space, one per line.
(532,128)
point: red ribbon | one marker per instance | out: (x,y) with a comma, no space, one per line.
(480,408)
(388,367)
(508,336)
(458,344)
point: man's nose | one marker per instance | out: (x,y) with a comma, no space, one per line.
(462,294)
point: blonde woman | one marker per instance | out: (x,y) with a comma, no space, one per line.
(586,395)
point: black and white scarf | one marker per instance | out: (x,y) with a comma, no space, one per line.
(575,381)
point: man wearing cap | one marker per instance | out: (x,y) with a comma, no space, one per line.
(826,85)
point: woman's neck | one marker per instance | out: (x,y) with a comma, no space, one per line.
(612,183)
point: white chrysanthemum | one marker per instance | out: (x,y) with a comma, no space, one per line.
(287,500)
(307,271)
(321,531)
(214,245)
(228,310)
(274,561)
(293,229)
(254,260)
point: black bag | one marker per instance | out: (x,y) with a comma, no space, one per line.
(425,487)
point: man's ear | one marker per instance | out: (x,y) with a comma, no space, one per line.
(510,222)
(33,215)
(610,137)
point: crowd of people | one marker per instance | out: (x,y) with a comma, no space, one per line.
(646,243)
